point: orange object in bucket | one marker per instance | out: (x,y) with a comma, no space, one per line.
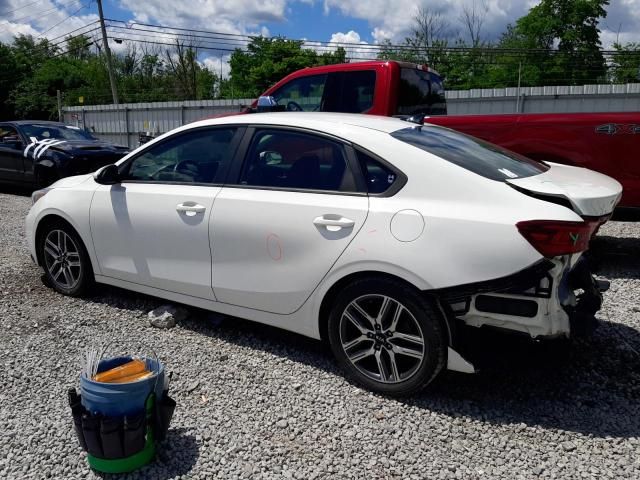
(116,374)
(132,378)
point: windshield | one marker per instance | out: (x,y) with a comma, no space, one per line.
(478,156)
(420,92)
(59,132)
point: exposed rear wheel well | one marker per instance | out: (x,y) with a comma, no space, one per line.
(329,297)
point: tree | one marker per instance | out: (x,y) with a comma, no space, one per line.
(572,26)
(79,47)
(625,66)
(9,78)
(472,19)
(267,60)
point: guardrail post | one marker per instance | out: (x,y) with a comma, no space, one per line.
(126,126)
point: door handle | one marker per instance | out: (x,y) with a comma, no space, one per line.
(334,221)
(190,208)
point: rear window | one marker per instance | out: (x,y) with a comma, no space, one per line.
(420,92)
(471,153)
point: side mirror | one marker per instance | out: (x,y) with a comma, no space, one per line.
(268,104)
(270,158)
(12,141)
(107,175)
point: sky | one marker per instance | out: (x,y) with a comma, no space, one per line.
(353,21)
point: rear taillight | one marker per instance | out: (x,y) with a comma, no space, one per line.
(555,238)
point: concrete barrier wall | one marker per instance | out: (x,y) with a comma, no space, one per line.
(122,124)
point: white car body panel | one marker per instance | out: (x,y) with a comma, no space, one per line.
(268,253)
(70,199)
(446,227)
(156,245)
(591,193)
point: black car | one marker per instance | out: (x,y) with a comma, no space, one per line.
(37,153)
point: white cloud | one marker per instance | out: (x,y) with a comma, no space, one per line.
(46,17)
(622,23)
(353,52)
(394,20)
(239,16)
(10,30)
(218,64)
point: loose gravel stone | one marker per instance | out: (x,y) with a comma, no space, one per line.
(247,419)
(166,316)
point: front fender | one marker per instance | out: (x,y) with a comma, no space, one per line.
(72,208)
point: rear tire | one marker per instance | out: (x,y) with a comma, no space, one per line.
(65,260)
(387,337)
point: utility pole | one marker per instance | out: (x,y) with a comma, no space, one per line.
(107,52)
(59,97)
(518,93)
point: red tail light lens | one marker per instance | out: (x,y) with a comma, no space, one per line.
(555,238)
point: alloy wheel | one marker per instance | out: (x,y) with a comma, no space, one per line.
(382,338)
(62,259)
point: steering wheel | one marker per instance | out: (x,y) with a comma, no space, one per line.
(190,166)
(293,106)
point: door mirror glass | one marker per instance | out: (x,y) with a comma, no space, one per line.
(268,104)
(270,158)
(107,175)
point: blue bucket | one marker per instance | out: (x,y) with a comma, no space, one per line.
(120,399)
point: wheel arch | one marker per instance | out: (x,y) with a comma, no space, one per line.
(43,223)
(339,284)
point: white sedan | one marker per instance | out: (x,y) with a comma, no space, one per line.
(374,234)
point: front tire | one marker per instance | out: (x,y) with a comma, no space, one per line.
(65,261)
(387,337)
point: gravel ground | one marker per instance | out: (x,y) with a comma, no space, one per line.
(254,402)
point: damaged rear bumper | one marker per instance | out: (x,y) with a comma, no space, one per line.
(553,298)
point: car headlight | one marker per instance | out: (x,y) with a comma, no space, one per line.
(38,194)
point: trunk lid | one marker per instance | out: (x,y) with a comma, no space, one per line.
(591,194)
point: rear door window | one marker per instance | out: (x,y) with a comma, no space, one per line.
(478,156)
(294,160)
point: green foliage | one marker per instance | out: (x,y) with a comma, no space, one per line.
(268,60)
(626,63)
(556,43)
(33,70)
(572,25)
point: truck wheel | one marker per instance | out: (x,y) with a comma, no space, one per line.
(66,264)
(387,337)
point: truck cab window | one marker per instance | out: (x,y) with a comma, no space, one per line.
(302,94)
(350,92)
(420,92)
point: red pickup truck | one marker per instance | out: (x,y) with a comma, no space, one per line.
(605,142)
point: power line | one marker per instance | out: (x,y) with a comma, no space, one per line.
(240,39)
(41,14)
(74,30)
(20,8)
(65,19)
